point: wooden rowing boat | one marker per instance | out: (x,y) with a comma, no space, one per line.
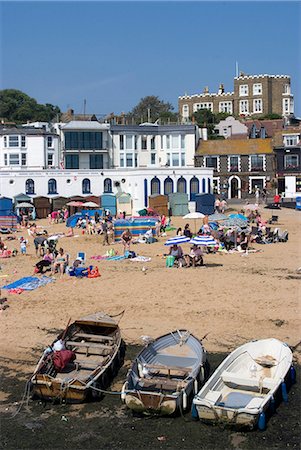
(165,374)
(245,385)
(96,343)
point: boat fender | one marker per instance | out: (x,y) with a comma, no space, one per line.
(202,374)
(293,374)
(261,421)
(184,400)
(123,391)
(194,412)
(272,405)
(284,392)
(196,386)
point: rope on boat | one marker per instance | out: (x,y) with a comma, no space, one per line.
(25,399)
(103,391)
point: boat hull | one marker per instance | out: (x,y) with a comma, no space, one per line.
(154,404)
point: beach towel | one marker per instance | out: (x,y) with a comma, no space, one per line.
(141,259)
(115,258)
(29,283)
(99,257)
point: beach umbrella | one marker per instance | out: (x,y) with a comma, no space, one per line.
(238,216)
(177,240)
(203,240)
(216,217)
(233,222)
(75,204)
(90,205)
(195,216)
(251,207)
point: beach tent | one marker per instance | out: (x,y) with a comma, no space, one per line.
(204,203)
(43,206)
(137,226)
(58,202)
(108,202)
(159,203)
(124,203)
(178,203)
(21,198)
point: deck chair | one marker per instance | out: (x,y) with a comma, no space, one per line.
(276,234)
(273,219)
(82,255)
(283,237)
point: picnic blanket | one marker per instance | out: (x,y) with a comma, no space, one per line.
(29,283)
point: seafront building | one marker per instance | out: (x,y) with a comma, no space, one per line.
(253,96)
(84,158)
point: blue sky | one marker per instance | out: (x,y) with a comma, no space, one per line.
(114,53)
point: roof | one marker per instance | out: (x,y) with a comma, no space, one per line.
(235,147)
(30,131)
(84,125)
(146,128)
(271,126)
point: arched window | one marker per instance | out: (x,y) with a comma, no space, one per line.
(168,186)
(209,185)
(181,185)
(194,188)
(203,185)
(86,186)
(155,186)
(107,185)
(29,187)
(52,186)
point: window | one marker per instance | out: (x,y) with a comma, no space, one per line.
(14,159)
(257,89)
(287,106)
(168,186)
(155,186)
(121,142)
(13,141)
(153,158)
(29,187)
(257,105)
(83,140)
(129,160)
(206,105)
(286,89)
(256,163)
(153,146)
(291,161)
(121,160)
(182,141)
(181,185)
(72,161)
(175,160)
(168,141)
(183,159)
(185,111)
(243,90)
(194,188)
(129,141)
(5,159)
(225,107)
(291,140)
(52,186)
(175,140)
(5,141)
(168,159)
(107,185)
(136,159)
(96,161)
(211,161)
(243,106)
(50,159)
(162,142)
(144,142)
(298,184)
(49,142)
(23,159)
(86,186)
(23,141)
(233,163)
(216,186)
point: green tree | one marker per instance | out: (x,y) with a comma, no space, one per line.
(16,106)
(207,119)
(151,108)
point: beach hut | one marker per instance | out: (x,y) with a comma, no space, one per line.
(108,202)
(58,203)
(43,207)
(124,203)
(7,217)
(22,198)
(159,203)
(178,204)
(204,203)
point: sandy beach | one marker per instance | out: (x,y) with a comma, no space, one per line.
(235,298)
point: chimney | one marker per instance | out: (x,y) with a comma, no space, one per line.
(221,89)
(206,90)
(204,134)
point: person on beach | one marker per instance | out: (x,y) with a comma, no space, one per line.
(45,262)
(126,238)
(187,231)
(177,252)
(60,262)
(195,256)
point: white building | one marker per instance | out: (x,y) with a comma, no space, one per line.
(230,128)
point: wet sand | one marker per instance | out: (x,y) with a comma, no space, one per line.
(232,300)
